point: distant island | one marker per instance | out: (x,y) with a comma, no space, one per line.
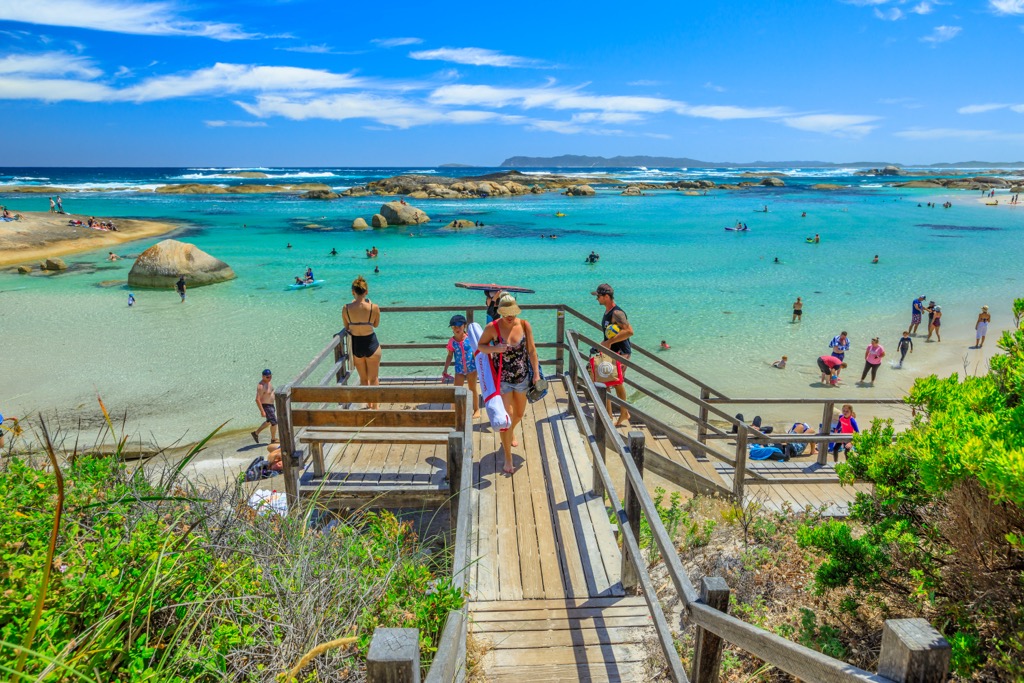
(580,161)
(456,166)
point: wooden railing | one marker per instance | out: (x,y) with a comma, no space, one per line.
(911,649)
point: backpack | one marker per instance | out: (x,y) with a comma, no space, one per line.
(606,370)
(259,469)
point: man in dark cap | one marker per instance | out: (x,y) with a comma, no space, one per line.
(617,332)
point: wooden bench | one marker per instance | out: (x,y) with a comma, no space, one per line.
(318,416)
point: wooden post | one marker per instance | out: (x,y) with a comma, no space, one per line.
(740,472)
(601,439)
(631,505)
(707,649)
(455,441)
(826,428)
(339,354)
(316,452)
(459,404)
(394,656)
(560,339)
(702,423)
(290,468)
(913,652)
(469,316)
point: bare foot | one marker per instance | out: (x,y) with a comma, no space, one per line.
(476,414)
(509,468)
(622,422)
(515,442)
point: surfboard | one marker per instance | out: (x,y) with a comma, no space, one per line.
(483,287)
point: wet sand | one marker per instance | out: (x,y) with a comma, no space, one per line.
(41,235)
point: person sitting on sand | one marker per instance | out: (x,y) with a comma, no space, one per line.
(781,363)
(804,428)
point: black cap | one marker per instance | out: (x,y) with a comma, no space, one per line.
(602,289)
(458,320)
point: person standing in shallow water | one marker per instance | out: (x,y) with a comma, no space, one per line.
(905,345)
(872,359)
(508,342)
(916,310)
(798,310)
(180,286)
(935,323)
(981,327)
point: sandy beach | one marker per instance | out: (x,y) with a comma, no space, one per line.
(39,235)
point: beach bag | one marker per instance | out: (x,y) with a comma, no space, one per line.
(258,469)
(606,370)
(490,386)
(766,453)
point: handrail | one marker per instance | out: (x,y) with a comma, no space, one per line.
(630,543)
(796,659)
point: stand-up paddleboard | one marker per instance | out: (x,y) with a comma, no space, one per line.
(490,386)
(493,287)
(304,285)
(738,229)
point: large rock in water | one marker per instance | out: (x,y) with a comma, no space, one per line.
(580,191)
(378,221)
(162,264)
(398,213)
(772,181)
(359,224)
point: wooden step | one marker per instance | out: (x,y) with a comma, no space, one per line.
(399,436)
(376,495)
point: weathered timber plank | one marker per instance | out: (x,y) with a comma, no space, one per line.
(404,437)
(486,561)
(558,624)
(609,654)
(544,523)
(373,418)
(627,672)
(514,616)
(526,526)
(510,580)
(564,603)
(378,394)
(595,635)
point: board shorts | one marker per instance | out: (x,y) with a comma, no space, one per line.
(915,319)
(271,412)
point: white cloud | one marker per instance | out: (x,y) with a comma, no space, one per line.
(310,49)
(923,8)
(891,14)
(941,34)
(840,125)
(1007,6)
(396,42)
(972,135)
(234,78)
(711,86)
(644,83)
(475,56)
(980,108)
(1019,108)
(49,64)
(117,16)
(728,113)
(54,90)
(235,124)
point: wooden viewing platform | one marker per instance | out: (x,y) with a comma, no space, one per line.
(553,592)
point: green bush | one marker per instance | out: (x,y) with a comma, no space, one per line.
(168,583)
(940,532)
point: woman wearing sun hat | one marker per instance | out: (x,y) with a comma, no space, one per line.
(981,327)
(509,343)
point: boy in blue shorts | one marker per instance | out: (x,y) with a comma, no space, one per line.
(461,351)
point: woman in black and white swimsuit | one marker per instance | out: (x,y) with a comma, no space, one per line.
(509,341)
(360,318)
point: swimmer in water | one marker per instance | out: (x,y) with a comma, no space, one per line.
(289,246)
(777,261)
(334,252)
(875,260)
(376,269)
(664,345)
(781,363)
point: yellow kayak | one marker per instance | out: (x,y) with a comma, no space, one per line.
(559,215)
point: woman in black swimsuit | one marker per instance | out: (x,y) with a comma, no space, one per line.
(513,351)
(360,318)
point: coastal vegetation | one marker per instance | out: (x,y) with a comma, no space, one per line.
(119,573)
(940,535)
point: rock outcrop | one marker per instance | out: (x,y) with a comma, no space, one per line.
(378,221)
(398,213)
(200,188)
(826,186)
(460,223)
(359,224)
(632,191)
(24,270)
(160,266)
(580,191)
(320,194)
(772,181)
(53,264)
(504,184)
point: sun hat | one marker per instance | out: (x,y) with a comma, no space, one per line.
(984,308)
(602,289)
(938,308)
(508,306)
(267,373)
(458,320)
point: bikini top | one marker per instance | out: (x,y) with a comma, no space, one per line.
(364,322)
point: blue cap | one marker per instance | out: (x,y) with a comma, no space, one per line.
(458,320)
(267,373)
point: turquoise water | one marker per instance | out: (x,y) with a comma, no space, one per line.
(717,297)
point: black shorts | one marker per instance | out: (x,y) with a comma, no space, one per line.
(798,312)
(825,369)
(271,412)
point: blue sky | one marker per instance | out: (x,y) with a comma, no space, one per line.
(312,82)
